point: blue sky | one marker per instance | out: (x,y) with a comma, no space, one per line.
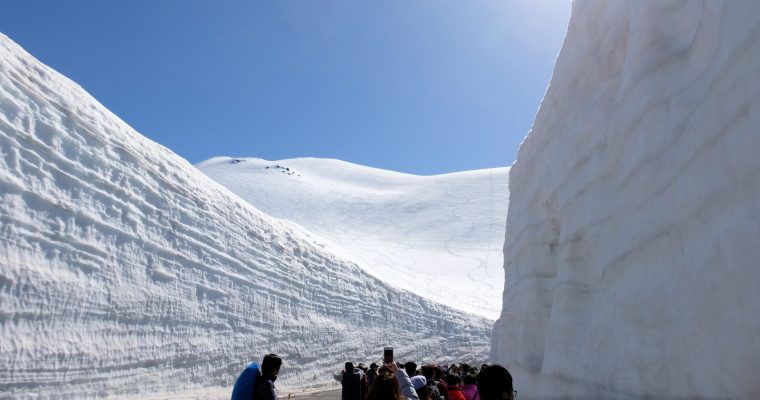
(419,86)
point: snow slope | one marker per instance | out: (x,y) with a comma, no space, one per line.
(126,271)
(633,235)
(438,236)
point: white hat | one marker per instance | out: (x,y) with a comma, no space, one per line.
(418,381)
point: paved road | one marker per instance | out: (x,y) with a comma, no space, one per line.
(326,395)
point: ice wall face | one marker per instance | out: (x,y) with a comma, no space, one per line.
(124,270)
(634,216)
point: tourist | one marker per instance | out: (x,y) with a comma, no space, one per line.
(372,373)
(270,367)
(411,368)
(452,386)
(464,370)
(470,387)
(418,381)
(425,392)
(428,371)
(392,383)
(351,381)
(438,374)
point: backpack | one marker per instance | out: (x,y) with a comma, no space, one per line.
(246,382)
(435,394)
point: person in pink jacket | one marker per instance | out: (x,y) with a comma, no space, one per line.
(470,388)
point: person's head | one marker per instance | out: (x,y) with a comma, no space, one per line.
(362,367)
(425,392)
(349,367)
(418,381)
(429,371)
(271,364)
(438,374)
(452,379)
(495,383)
(464,367)
(385,386)
(373,367)
(470,379)
(411,368)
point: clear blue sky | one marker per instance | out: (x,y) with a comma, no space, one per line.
(419,86)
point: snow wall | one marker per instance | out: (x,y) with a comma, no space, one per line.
(438,236)
(126,271)
(632,253)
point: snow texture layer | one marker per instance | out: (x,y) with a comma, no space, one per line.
(438,236)
(124,270)
(633,236)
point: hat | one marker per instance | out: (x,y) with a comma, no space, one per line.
(418,381)
(373,365)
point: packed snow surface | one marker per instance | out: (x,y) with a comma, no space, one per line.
(439,236)
(125,271)
(633,236)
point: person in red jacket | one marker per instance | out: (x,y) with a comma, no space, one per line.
(452,384)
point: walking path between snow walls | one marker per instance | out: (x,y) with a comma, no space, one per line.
(633,235)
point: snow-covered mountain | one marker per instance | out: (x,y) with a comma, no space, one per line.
(633,236)
(124,270)
(438,236)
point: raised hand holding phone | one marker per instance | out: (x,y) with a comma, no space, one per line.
(387,355)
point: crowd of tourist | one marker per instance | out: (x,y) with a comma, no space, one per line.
(390,381)
(396,381)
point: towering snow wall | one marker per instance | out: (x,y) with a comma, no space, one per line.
(633,234)
(124,270)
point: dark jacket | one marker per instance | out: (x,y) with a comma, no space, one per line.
(371,375)
(352,384)
(265,389)
(435,393)
(443,389)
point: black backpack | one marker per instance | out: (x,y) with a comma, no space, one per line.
(435,394)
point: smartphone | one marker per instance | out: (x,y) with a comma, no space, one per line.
(387,355)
